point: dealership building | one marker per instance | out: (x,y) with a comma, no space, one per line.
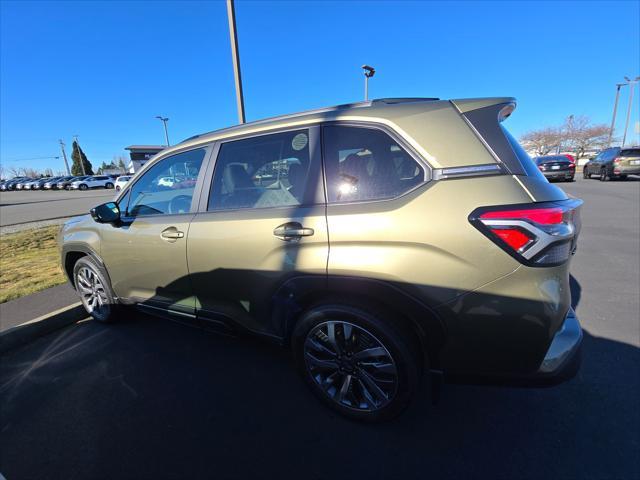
(141,154)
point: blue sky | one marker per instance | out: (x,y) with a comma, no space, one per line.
(103,70)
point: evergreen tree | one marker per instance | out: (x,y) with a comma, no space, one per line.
(76,167)
(121,165)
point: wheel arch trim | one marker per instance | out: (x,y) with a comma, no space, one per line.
(74,248)
(298,293)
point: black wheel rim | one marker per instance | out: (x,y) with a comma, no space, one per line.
(350,366)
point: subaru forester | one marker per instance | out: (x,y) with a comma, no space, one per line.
(380,241)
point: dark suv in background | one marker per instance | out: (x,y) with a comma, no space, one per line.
(614,162)
(556,167)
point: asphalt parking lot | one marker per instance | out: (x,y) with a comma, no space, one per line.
(18,207)
(148,398)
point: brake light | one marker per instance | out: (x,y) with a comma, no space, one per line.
(617,160)
(538,215)
(516,239)
(543,234)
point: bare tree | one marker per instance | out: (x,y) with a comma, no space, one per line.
(544,140)
(582,136)
(16,171)
(2,171)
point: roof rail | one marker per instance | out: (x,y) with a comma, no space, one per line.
(394,100)
(345,106)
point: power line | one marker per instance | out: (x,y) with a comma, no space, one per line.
(29,159)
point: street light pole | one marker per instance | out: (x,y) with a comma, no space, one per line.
(235,55)
(368,73)
(615,110)
(164,120)
(626,125)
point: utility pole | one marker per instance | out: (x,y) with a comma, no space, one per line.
(368,73)
(632,84)
(615,110)
(166,132)
(75,138)
(235,54)
(64,155)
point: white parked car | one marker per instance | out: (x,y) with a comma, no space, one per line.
(121,181)
(97,181)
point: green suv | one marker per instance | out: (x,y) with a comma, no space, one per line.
(383,241)
(614,162)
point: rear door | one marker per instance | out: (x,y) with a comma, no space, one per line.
(593,165)
(261,222)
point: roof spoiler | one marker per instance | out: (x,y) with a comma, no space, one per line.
(465,105)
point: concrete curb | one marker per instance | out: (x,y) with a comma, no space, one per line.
(28,331)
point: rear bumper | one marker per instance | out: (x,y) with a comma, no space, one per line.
(559,174)
(563,357)
(626,170)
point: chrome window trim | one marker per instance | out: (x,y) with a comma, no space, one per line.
(468,171)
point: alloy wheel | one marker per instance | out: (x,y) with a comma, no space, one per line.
(350,365)
(92,292)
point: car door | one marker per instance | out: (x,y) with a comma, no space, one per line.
(145,254)
(261,223)
(594,165)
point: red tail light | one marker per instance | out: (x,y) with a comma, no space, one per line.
(542,234)
(617,160)
(516,239)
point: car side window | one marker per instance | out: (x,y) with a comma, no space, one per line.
(264,171)
(167,187)
(366,164)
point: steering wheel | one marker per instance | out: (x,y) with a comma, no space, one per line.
(180,204)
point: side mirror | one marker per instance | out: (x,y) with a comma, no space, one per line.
(106,213)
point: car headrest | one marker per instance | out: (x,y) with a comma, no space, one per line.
(235,176)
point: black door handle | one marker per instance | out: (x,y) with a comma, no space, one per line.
(292,231)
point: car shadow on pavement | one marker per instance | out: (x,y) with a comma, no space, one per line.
(149,398)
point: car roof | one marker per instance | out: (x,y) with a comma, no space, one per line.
(381,109)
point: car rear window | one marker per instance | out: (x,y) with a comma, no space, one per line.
(630,152)
(528,165)
(501,142)
(552,158)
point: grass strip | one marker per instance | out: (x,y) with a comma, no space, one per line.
(29,262)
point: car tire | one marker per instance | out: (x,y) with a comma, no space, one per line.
(83,187)
(604,175)
(585,174)
(108,185)
(92,285)
(371,369)
(118,188)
